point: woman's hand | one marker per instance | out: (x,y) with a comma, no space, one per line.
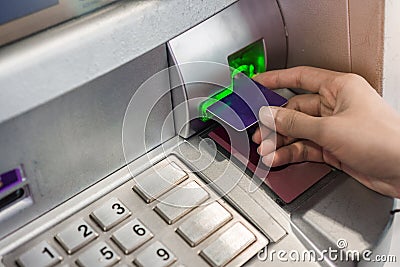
(344,123)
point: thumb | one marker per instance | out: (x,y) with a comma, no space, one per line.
(292,123)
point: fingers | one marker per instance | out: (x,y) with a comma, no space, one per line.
(307,78)
(307,103)
(292,123)
(273,142)
(296,152)
(260,134)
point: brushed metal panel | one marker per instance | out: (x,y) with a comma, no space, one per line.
(212,42)
(73,141)
(51,63)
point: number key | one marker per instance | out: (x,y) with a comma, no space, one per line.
(110,214)
(40,255)
(99,255)
(132,235)
(75,236)
(155,255)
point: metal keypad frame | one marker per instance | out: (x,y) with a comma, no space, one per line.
(162,233)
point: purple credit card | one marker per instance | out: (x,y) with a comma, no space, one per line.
(240,109)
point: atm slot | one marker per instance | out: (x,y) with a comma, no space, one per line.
(14,193)
(287,182)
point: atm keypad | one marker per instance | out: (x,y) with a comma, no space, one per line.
(42,254)
(98,255)
(110,213)
(155,182)
(132,235)
(183,224)
(155,255)
(76,235)
(202,224)
(228,245)
(180,202)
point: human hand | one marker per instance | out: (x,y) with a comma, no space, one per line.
(345,124)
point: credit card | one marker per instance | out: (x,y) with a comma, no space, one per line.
(240,109)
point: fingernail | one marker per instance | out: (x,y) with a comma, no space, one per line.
(268,111)
(274,110)
(268,159)
(267,116)
(265,111)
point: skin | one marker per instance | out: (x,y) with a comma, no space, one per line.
(344,123)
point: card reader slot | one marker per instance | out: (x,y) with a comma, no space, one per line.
(14,193)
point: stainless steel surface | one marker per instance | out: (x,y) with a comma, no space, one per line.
(212,42)
(65,91)
(132,235)
(157,255)
(82,50)
(202,224)
(47,17)
(76,137)
(225,176)
(76,235)
(99,254)
(85,198)
(335,213)
(110,213)
(181,201)
(228,245)
(75,140)
(18,205)
(186,255)
(40,255)
(329,210)
(156,181)
(260,198)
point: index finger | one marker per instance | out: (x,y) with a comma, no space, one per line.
(307,78)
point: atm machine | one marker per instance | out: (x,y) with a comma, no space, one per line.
(109,155)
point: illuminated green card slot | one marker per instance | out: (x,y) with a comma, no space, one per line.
(249,60)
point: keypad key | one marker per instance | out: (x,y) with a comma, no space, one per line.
(227,246)
(132,235)
(41,255)
(99,255)
(110,214)
(202,224)
(180,202)
(157,181)
(76,235)
(155,255)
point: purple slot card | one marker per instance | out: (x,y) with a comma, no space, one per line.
(9,179)
(240,109)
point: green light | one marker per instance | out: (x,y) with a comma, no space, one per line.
(250,61)
(211,100)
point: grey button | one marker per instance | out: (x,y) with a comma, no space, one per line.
(155,255)
(157,181)
(180,202)
(99,255)
(230,244)
(75,236)
(110,214)
(132,235)
(40,255)
(202,224)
